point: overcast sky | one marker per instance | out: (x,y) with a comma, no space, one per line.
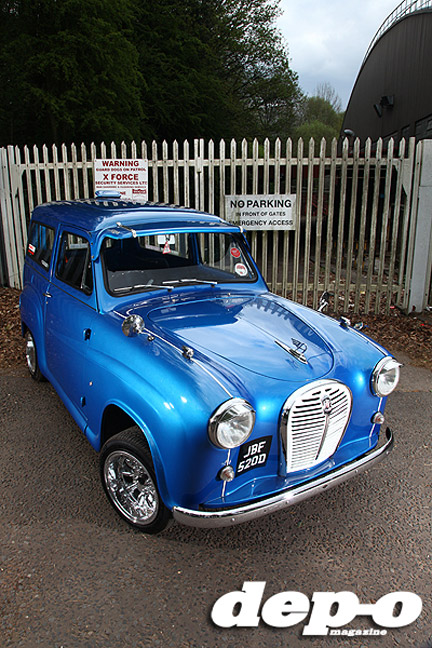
(327,39)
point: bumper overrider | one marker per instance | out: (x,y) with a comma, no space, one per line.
(298,493)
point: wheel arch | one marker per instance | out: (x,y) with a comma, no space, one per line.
(32,320)
(116,419)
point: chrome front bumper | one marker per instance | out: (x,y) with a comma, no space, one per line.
(228,517)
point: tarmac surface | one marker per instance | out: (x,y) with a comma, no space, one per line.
(73,575)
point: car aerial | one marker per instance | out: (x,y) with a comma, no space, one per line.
(210,400)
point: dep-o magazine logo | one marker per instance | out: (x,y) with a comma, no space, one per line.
(326,613)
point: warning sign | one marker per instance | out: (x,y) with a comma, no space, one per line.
(129,177)
(263,212)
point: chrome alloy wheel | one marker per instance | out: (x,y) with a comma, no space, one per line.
(31,353)
(131,487)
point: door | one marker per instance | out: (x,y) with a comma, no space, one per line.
(70,311)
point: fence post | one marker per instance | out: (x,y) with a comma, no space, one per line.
(7,222)
(3,268)
(199,173)
(421,236)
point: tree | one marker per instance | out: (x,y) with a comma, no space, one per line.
(182,92)
(317,130)
(217,68)
(318,118)
(68,72)
(326,91)
(119,69)
(256,68)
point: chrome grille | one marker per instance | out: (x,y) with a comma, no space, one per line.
(314,420)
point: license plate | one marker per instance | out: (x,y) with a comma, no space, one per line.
(253,454)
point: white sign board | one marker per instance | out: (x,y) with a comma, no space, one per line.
(129,177)
(265,212)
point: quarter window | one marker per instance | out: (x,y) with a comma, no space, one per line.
(40,244)
(74,265)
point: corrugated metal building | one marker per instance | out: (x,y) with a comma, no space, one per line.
(392,96)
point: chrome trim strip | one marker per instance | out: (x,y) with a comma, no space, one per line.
(229,517)
(147,331)
(225,483)
(209,373)
(194,360)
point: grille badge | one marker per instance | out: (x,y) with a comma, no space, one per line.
(327,405)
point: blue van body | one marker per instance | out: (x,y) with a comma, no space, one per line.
(211,333)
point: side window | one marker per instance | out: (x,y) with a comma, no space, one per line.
(40,244)
(74,263)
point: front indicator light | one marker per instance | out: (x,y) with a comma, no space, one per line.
(378,418)
(227,474)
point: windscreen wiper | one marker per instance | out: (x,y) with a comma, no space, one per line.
(192,280)
(147,285)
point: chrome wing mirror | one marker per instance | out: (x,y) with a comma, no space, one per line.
(133,325)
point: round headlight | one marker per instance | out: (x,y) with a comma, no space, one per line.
(385,376)
(231,424)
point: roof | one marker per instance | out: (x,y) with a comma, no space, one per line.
(97,216)
(405,8)
(392,95)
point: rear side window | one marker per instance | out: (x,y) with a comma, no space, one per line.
(40,244)
(74,265)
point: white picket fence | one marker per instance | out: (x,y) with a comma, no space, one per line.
(354,207)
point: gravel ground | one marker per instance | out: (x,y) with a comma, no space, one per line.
(73,575)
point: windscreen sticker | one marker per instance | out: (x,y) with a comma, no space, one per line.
(235,252)
(31,249)
(240,269)
(164,238)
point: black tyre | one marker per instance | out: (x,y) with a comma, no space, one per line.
(129,481)
(32,357)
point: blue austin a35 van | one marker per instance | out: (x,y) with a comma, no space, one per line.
(210,400)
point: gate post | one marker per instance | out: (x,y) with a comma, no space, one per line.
(7,229)
(3,269)
(420,274)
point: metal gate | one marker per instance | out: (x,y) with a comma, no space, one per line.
(354,208)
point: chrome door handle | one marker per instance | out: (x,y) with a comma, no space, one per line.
(47,294)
